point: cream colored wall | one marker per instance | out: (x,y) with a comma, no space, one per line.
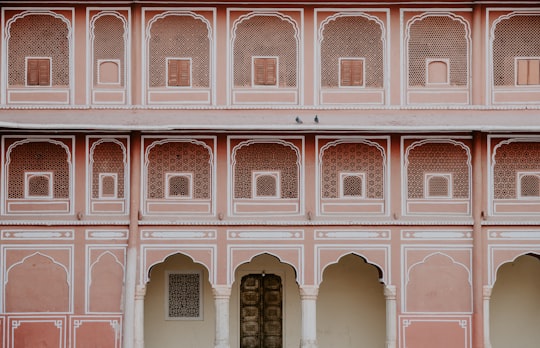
(515,304)
(351,307)
(161,333)
(291,299)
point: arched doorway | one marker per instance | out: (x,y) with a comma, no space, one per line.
(179,307)
(351,308)
(265,305)
(515,304)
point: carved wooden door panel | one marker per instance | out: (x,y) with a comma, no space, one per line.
(261,311)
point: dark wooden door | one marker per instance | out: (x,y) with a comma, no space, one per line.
(261,311)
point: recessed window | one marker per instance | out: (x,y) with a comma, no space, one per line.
(183,295)
(179,72)
(38,185)
(437,72)
(352,185)
(529,185)
(265,71)
(266,185)
(179,185)
(351,72)
(38,71)
(109,72)
(527,71)
(438,186)
(108,185)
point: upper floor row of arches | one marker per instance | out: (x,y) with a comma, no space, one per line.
(267,176)
(242,56)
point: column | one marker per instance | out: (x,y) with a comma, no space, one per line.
(308,297)
(222,295)
(391,315)
(487,299)
(133,243)
(140,293)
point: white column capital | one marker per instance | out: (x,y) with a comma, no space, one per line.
(390,292)
(486,291)
(309,292)
(221,291)
(140,292)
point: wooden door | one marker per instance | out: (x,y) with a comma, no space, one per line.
(261,311)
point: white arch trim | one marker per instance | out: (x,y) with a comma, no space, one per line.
(344,253)
(423,261)
(37,253)
(180,251)
(266,250)
(519,253)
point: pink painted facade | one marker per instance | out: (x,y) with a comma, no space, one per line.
(270,174)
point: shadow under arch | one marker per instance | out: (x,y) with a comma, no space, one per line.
(169,258)
(381,275)
(501,264)
(277,258)
(351,304)
(515,303)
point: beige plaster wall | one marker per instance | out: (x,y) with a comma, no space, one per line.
(351,307)
(515,304)
(162,333)
(292,314)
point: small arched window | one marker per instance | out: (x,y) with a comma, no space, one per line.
(38,185)
(179,185)
(352,185)
(266,185)
(438,186)
(529,185)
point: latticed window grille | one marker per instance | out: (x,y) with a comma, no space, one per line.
(266,157)
(438,186)
(352,185)
(179,185)
(438,37)
(108,157)
(265,36)
(108,185)
(530,185)
(266,185)
(109,44)
(352,36)
(38,185)
(179,35)
(510,159)
(39,156)
(438,158)
(179,157)
(184,292)
(353,157)
(513,37)
(38,35)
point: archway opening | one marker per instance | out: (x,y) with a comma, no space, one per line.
(179,307)
(351,308)
(270,285)
(515,304)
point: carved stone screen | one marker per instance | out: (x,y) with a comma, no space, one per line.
(184,295)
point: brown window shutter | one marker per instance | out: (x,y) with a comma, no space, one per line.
(44,72)
(32,72)
(179,72)
(271,71)
(172,78)
(352,72)
(265,71)
(184,75)
(345,72)
(259,71)
(534,72)
(38,72)
(357,73)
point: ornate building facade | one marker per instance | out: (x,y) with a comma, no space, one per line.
(270,174)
